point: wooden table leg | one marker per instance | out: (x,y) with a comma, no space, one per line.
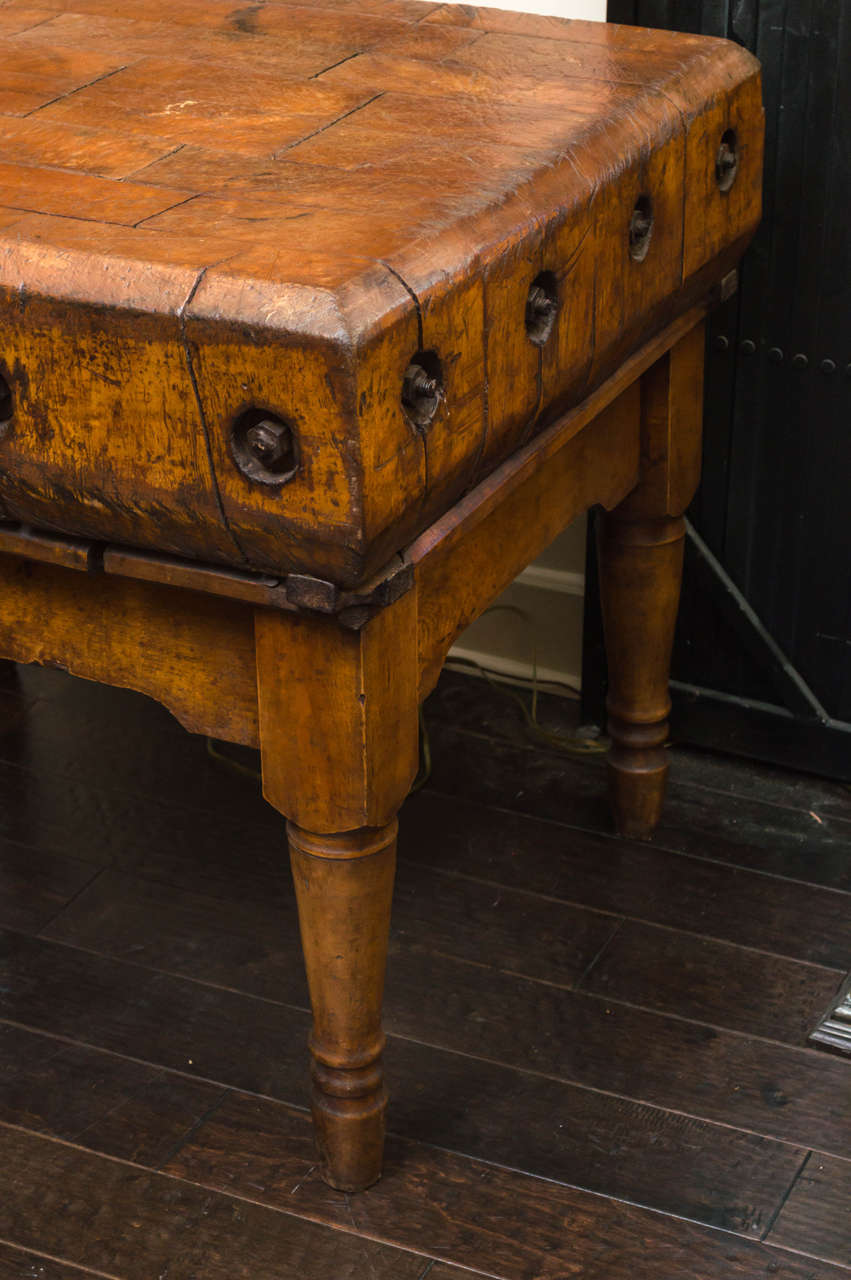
(640,570)
(344,887)
(339,748)
(641,558)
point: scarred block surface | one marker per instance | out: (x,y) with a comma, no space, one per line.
(208,210)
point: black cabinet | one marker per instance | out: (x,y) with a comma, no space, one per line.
(762,662)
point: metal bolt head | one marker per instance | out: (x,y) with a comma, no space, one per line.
(775,355)
(726,162)
(539,303)
(264,447)
(828,366)
(418,385)
(799,361)
(640,229)
(422,390)
(747,347)
(541,308)
(269,441)
(721,342)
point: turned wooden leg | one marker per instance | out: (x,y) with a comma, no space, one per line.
(344,887)
(640,571)
(339,745)
(641,561)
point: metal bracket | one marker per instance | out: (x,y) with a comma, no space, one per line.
(294,593)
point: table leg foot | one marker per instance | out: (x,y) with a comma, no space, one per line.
(344,888)
(640,572)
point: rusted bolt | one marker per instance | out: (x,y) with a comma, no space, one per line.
(422,388)
(640,229)
(264,447)
(727,161)
(269,441)
(418,385)
(541,308)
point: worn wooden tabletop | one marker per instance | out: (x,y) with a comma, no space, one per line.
(209,214)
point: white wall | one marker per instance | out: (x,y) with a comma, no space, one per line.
(595,10)
(537,622)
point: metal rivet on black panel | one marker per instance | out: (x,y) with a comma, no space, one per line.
(799,360)
(721,343)
(775,355)
(747,347)
(828,366)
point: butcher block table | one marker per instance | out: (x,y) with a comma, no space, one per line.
(317,323)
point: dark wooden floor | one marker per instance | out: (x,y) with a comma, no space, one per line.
(597,1051)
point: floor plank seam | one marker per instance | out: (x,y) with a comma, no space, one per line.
(64,1262)
(83,889)
(178,1146)
(787,1193)
(655,843)
(449,874)
(601,998)
(243,1091)
(579,982)
(232,1196)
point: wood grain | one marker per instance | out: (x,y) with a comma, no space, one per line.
(98,1100)
(713,984)
(338,716)
(16,1264)
(814,1220)
(207,209)
(779,1091)
(194,653)
(469,1212)
(612,1142)
(785,918)
(750,834)
(712,1174)
(257,949)
(117,1218)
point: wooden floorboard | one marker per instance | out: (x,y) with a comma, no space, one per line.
(595,1058)
(255,947)
(714,1174)
(127,1221)
(779,1091)
(713,982)
(771,913)
(96,1099)
(467,1210)
(746,833)
(21,1264)
(491,709)
(35,885)
(816,1218)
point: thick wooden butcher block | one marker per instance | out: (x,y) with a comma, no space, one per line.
(280,283)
